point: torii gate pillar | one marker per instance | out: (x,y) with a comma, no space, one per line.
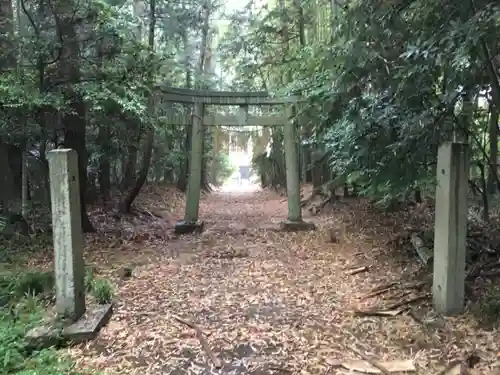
(294,221)
(190,223)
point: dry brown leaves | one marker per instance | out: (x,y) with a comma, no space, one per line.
(275,303)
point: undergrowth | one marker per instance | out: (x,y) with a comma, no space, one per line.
(102,291)
(22,308)
(490,306)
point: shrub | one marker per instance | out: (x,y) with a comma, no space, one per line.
(490,306)
(102,291)
(34,282)
(15,355)
(14,286)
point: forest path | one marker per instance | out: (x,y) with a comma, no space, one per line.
(270,302)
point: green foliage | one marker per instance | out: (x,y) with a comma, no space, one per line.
(14,286)
(385,85)
(223,168)
(16,357)
(34,283)
(490,305)
(102,291)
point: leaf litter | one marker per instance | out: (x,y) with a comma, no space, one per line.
(245,298)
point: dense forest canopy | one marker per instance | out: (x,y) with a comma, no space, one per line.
(384,84)
(83,75)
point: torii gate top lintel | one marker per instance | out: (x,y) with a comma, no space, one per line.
(182,95)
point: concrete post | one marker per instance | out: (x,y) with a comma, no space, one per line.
(292,169)
(294,221)
(450,227)
(190,222)
(67,232)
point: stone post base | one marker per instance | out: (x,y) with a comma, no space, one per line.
(297,226)
(84,329)
(183,227)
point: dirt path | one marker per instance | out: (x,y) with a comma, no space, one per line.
(271,302)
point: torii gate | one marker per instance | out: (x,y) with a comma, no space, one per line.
(200,99)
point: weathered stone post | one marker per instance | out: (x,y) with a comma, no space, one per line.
(191,222)
(67,231)
(80,324)
(294,221)
(450,227)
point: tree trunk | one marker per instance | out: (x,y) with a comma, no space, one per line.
(24,187)
(493,138)
(74,138)
(304,150)
(316,176)
(104,164)
(7,56)
(130,167)
(126,203)
(182,181)
(204,66)
(418,195)
(74,121)
(184,170)
(7,191)
(168,168)
(147,151)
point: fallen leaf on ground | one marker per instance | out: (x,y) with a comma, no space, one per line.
(378,312)
(376,293)
(282,305)
(366,368)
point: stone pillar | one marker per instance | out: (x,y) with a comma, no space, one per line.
(294,220)
(190,222)
(450,227)
(292,169)
(67,232)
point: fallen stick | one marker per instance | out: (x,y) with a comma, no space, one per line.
(407,302)
(480,270)
(391,310)
(204,344)
(384,286)
(382,369)
(490,273)
(416,284)
(376,293)
(375,364)
(357,270)
(373,312)
(401,295)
